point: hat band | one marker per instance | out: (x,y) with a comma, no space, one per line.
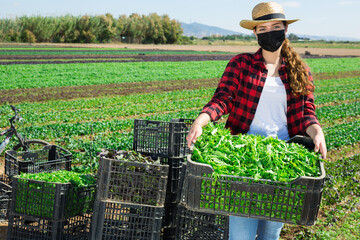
(271,16)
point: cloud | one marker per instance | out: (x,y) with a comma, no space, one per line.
(16,4)
(291,4)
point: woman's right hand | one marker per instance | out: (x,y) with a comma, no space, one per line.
(194,133)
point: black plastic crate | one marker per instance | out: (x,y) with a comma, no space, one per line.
(169,219)
(5,196)
(166,139)
(50,158)
(175,166)
(123,221)
(132,182)
(51,201)
(172,191)
(193,225)
(24,228)
(296,202)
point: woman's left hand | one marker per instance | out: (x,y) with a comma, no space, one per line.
(319,141)
(316,133)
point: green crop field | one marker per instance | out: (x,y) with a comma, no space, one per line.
(84,107)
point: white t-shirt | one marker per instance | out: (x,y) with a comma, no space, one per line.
(270,116)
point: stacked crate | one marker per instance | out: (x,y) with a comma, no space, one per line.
(167,140)
(5,196)
(48,159)
(46,210)
(130,200)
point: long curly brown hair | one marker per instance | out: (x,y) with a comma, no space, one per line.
(296,70)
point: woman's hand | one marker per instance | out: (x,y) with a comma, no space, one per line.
(194,133)
(196,128)
(316,133)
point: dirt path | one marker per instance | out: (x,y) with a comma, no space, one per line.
(212,48)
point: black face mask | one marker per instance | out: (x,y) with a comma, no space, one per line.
(271,41)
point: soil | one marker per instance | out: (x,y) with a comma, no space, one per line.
(59,59)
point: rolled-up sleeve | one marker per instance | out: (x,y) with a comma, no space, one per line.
(222,101)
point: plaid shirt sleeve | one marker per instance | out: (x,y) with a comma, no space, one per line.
(222,101)
(309,108)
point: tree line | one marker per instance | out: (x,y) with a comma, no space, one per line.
(92,29)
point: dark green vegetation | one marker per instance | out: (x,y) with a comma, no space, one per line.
(63,176)
(254,156)
(90,29)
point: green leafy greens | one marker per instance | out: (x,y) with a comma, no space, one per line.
(254,156)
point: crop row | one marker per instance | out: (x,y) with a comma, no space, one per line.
(55,75)
(134,105)
(57,130)
(337,96)
(99,52)
(322,86)
(338,111)
(66,59)
(337,88)
(342,134)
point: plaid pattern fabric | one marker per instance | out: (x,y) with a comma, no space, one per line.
(239,91)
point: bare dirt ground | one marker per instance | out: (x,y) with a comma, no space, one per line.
(212,48)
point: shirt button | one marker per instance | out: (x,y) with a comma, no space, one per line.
(259,88)
(253,110)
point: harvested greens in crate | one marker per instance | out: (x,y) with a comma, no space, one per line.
(55,196)
(131,177)
(253,176)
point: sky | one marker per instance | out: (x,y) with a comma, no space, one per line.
(317,17)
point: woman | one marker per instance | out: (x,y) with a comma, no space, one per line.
(268,93)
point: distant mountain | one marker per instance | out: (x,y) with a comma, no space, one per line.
(327,38)
(201,30)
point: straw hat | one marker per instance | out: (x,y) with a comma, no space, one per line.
(265,12)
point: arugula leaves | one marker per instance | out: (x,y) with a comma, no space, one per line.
(254,156)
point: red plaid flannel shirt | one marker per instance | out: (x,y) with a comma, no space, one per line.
(239,91)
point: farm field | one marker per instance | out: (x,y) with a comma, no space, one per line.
(85,99)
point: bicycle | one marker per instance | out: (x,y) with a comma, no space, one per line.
(24,144)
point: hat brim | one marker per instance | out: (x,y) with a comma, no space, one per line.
(251,24)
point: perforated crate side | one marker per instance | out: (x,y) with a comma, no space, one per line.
(166,139)
(23,227)
(132,182)
(5,196)
(193,225)
(295,203)
(123,221)
(50,158)
(52,201)
(175,166)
